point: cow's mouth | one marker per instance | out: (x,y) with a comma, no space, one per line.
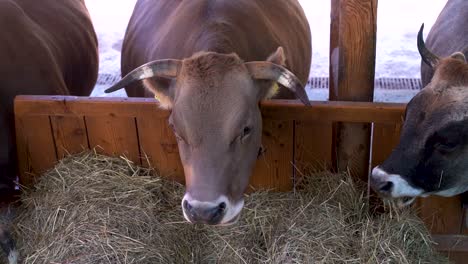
(232,221)
(404,201)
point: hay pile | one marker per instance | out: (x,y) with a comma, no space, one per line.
(95,209)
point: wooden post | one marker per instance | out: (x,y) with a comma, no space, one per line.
(352,68)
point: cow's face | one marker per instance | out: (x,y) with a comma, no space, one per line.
(215,115)
(432,156)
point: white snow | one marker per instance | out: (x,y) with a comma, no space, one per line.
(398,22)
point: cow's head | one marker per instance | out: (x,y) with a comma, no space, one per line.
(214,102)
(432,156)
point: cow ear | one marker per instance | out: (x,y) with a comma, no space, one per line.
(458,56)
(271,88)
(162,89)
(158,76)
(278,57)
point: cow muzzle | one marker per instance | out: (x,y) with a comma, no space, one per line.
(393,186)
(218,212)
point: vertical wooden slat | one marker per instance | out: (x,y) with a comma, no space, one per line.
(457,257)
(442,215)
(274,169)
(159,147)
(464,202)
(70,134)
(113,135)
(385,139)
(352,68)
(35,146)
(313,141)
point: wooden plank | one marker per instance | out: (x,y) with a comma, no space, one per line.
(159,147)
(274,109)
(114,135)
(312,150)
(274,169)
(69,134)
(35,147)
(352,68)
(464,202)
(442,215)
(456,257)
(352,49)
(385,139)
(451,243)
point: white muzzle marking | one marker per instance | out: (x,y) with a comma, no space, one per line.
(401,188)
(232,210)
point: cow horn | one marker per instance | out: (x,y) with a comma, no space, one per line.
(270,71)
(465,51)
(162,68)
(427,56)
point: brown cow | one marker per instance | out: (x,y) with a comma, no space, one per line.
(431,158)
(211,62)
(47,47)
(449,34)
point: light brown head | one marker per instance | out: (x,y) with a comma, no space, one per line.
(214,102)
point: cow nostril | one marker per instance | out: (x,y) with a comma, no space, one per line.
(387,187)
(218,211)
(222,206)
(187,206)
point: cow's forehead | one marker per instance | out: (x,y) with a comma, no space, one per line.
(439,107)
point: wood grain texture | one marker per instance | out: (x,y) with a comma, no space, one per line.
(385,139)
(70,134)
(114,135)
(442,215)
(273,109)
(159,146)
(313,146)
(35,147)
(456,257)
(458,243)
(352,68)
(274,169)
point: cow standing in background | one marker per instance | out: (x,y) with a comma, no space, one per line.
(210,62)
(47,47)
(432,156)
(449,34)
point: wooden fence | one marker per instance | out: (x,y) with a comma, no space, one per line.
(295,137)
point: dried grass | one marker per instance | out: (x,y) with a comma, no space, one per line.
(95,209)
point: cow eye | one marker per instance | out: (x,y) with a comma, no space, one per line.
(247,130)
(446,146)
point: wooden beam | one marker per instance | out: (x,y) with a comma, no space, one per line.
(390,113)
(458,243)
(352,68)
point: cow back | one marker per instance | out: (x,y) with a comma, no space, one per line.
(251,28)
(47,47)
(449,34)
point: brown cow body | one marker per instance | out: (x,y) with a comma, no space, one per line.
(449,34)
(46,48)
(210,62)
(252,29)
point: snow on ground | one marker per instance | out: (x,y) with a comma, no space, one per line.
(398,22)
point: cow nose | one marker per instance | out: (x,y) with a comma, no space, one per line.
(381,183)
(203,214)
(385,187)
